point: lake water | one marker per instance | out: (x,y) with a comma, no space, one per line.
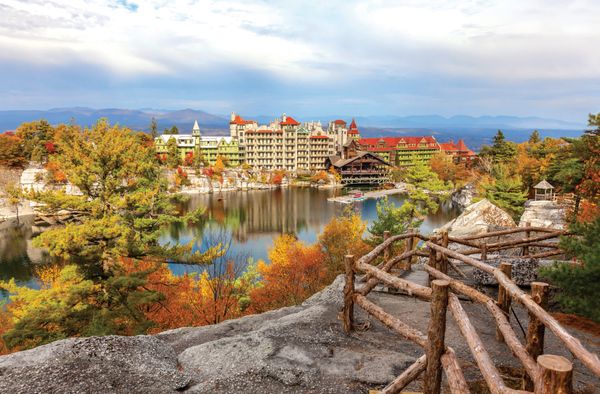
(251,220)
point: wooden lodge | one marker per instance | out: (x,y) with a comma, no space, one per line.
(359,167)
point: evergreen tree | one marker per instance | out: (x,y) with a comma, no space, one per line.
(173,158)
(153,129)
(594,123)
(174,130)
(580,284)
(535,138)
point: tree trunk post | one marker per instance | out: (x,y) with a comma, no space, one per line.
(432,262)
(556,375)
(435,335)
(443,262)
(483,251)
(410,244)
(536,329)
(348,293)
(503,297)
(527,235)
(387,251)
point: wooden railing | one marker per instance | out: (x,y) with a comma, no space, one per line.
(544,373)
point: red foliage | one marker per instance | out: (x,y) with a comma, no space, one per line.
(50,147)
(208,171)
(189,159)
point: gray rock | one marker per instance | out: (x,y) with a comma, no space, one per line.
(546,214)
(523,272)
(110,364)
(463,197)
(478,218)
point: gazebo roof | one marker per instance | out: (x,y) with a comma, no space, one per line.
(543,185)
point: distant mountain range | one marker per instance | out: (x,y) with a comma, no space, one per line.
(474,130)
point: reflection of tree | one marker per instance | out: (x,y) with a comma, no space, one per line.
(14,261)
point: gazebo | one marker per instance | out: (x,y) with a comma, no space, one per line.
(544,191)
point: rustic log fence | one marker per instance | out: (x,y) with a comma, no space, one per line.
(544,373)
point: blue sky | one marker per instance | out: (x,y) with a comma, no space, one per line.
(474,57)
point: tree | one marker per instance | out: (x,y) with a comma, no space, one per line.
(121,213)
(34,136)
(14,195)
(501,150)
(153,129)
(295,273)
(594,123)
(11,151)
(420,175)
(173,158)
(174,130)
(505,191)
(579,283)
(535,138)
(342,236)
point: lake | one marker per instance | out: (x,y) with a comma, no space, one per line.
(250,219)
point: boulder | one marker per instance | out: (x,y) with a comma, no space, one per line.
(523,272)
(478,218)
(548,214)
(110,364)
(463,197)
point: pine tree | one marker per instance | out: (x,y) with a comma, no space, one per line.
(153,129)
(535,138)
(594,123)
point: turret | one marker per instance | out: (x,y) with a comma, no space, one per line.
(196,133)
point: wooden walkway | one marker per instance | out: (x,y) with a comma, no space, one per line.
(374,194)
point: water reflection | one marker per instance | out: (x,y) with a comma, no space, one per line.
(250,219)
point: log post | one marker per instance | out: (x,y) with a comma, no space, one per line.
(527,234)
(410,244)
(431,262)
(443,264)
(503,297)
(483,251)
(556,375)
(386,251)
(435,335)
(348,294)
(536,329)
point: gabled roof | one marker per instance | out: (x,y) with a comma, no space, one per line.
(343,162)
(289,121)
(543,185)
(339,121)
(240,121)
(461,146)
(393,142)
(353,128)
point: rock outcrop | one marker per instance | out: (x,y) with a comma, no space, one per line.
(463,197)
(548,214)
(300,349)
(478,218)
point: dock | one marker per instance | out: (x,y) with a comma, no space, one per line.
(348,199)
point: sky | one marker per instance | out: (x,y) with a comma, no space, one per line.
(304,57)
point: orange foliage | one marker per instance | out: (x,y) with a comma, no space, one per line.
(189,159)
(191,299)
(56,174)
(588,211)
(296,272)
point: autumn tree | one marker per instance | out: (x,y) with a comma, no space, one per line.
(122,210)
(296,271)
(34,136)
(12,152)
(341,236)
(594,124)
(535,138)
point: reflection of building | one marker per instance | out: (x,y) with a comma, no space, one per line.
(210,147)
(358,166)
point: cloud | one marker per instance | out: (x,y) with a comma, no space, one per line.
(410,51)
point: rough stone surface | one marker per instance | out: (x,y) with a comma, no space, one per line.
(478,218)
(300,349)
(523,272)
(463,197)
(111,364)
(546,214)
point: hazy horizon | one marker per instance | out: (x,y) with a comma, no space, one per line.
(473,57)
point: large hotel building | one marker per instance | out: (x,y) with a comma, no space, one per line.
(286,144)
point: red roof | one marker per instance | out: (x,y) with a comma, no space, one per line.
(289,121)
(353,128)
(321,137)
(339,121)
(263,131)
(461,146)
(392,142)
(240,121)
(448,147)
